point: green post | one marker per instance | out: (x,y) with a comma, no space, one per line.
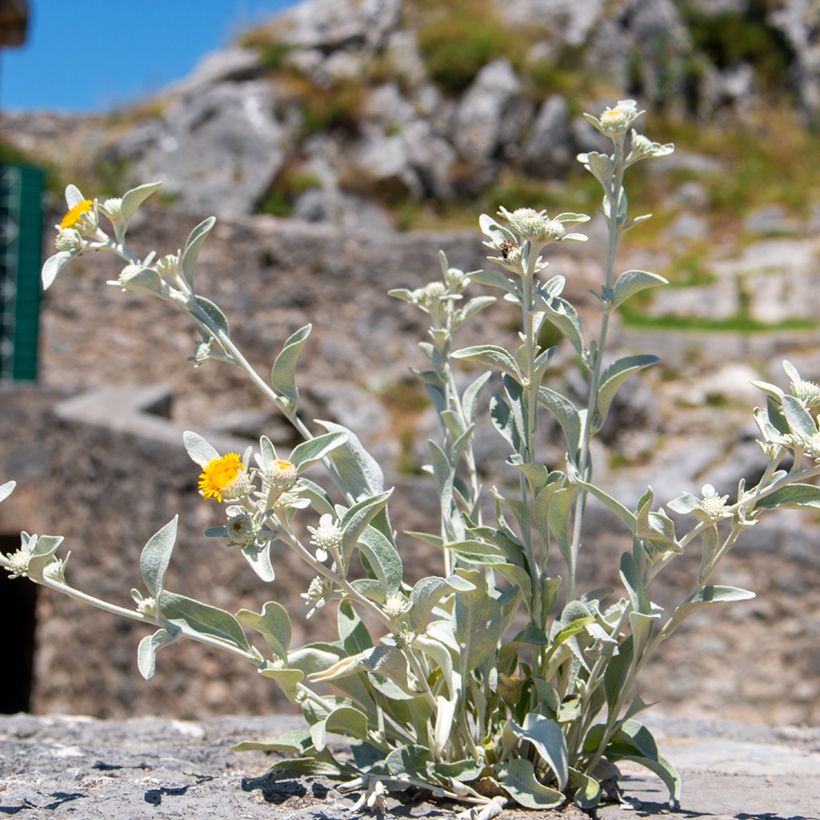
(21,237)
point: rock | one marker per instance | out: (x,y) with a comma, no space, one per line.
(688,227)
(379,161)
(334,24)
(771,219)
(431,156)
(482,116)
(217,149)
(572,20)
(549,145)
(691,194)
(228,65)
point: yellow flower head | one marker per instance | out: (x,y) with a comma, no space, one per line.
(75,214)
(219,474)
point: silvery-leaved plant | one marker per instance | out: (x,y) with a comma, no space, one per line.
(498,681)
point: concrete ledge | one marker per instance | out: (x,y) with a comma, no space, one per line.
(60,766)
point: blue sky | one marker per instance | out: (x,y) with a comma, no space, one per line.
(94,55)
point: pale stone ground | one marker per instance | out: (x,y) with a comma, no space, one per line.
(65,766)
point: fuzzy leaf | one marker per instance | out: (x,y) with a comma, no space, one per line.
(52,267)
(131,200)
(293,741)
(148,648)
(798,418)
(283,374)
(709,595)
(477,621)
(615,375)
(358,517)
(199,451)
(202,619)
(272,623)
(156,555)
(193,245)
(214,313)
(426,595)
(344,720)
(7,489)
(517,778)
(359,471)
(631,282)
(549,741)
(491,356)
(315,449)
(383,558)
(560,313)
(794,495)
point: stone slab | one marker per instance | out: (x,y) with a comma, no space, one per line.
(70,766)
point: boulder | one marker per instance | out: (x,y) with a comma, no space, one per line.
(549,144)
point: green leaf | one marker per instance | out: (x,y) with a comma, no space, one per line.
(282,376)
(504,421)
(567,415)
(560,313)
(615,506)
(344,720)
(293,741)
(477,548)
(156,555)
(272,623)
(517,778)
(494,279)
(359,471)
(42,549)
(383,558)
(193,245)
(477,621)
(631,282)
(426,595)
(633,582)
(798,418)
(794,495)
(315,449)
(549,741)
(711,595)
(471,396)
(7,489)
(587,790)
(558,517)
(193,616)
(491,356)
(213,312)
(148,648)
(199,451)
(52,267)
(616,671)
(131,200)
(352,632)
(614,376)
(358,517)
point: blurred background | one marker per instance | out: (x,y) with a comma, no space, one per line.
(341,143)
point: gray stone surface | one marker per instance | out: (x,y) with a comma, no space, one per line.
(69,766)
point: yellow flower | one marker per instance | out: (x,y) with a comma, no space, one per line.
(75,214)
(219,474)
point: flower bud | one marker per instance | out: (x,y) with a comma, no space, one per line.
(69,240)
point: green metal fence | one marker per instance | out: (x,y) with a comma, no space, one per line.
(21,237)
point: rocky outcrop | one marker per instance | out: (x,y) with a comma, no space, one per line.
(358,76)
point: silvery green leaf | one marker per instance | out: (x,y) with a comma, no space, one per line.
(214,313)
(491,356)
(791,371)
(318,764)
(554,286)
(441,657)
(445,714)
(319,499)
(148,648)
(587,790)
(771,390)
(708,595)
(794,495)
(402,293)
(283,374)
(489,227)
(315,449)
(560,313)
(199,451)
(359,471)
(567,415)
(344,720)
(799,419)
(352,632)
(476,548)
(615,375)
(428,592)
(558,517)
(517,778)
(131,200)
(616,673)
(600,165)
(472,394)
(272,623)
(444,473)
(631,282)
(384,559)
(259,559)
(356,519)
(477,621)
(73,196)
(548,740)
(542,503)
(473,306)
(536,475)
(503,420)
(192,246)
(52,267)
(145,279)
(684,504)
(293,741)
(41,550)
(287,680)
(494,279)
(7,489)
(156,555)
(193,616)
(633,582)
(541,362)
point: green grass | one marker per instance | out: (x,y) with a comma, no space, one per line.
(288,185)
(739,323)
(10,154)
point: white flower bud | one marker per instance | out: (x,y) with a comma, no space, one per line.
(68,239)
(112,208)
